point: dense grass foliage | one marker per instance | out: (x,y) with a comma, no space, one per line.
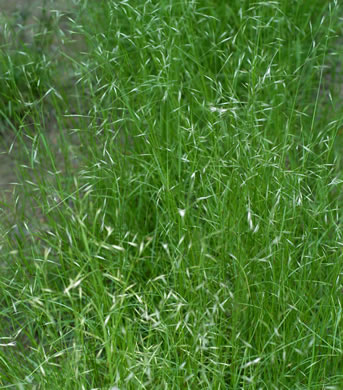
(197,242)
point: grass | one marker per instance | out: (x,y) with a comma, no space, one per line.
(184,229)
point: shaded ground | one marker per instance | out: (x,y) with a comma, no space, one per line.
(47,20)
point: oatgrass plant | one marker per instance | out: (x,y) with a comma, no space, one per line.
(185,229)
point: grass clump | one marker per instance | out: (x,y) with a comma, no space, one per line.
(198,242)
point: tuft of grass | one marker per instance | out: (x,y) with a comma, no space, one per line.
(180,225)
